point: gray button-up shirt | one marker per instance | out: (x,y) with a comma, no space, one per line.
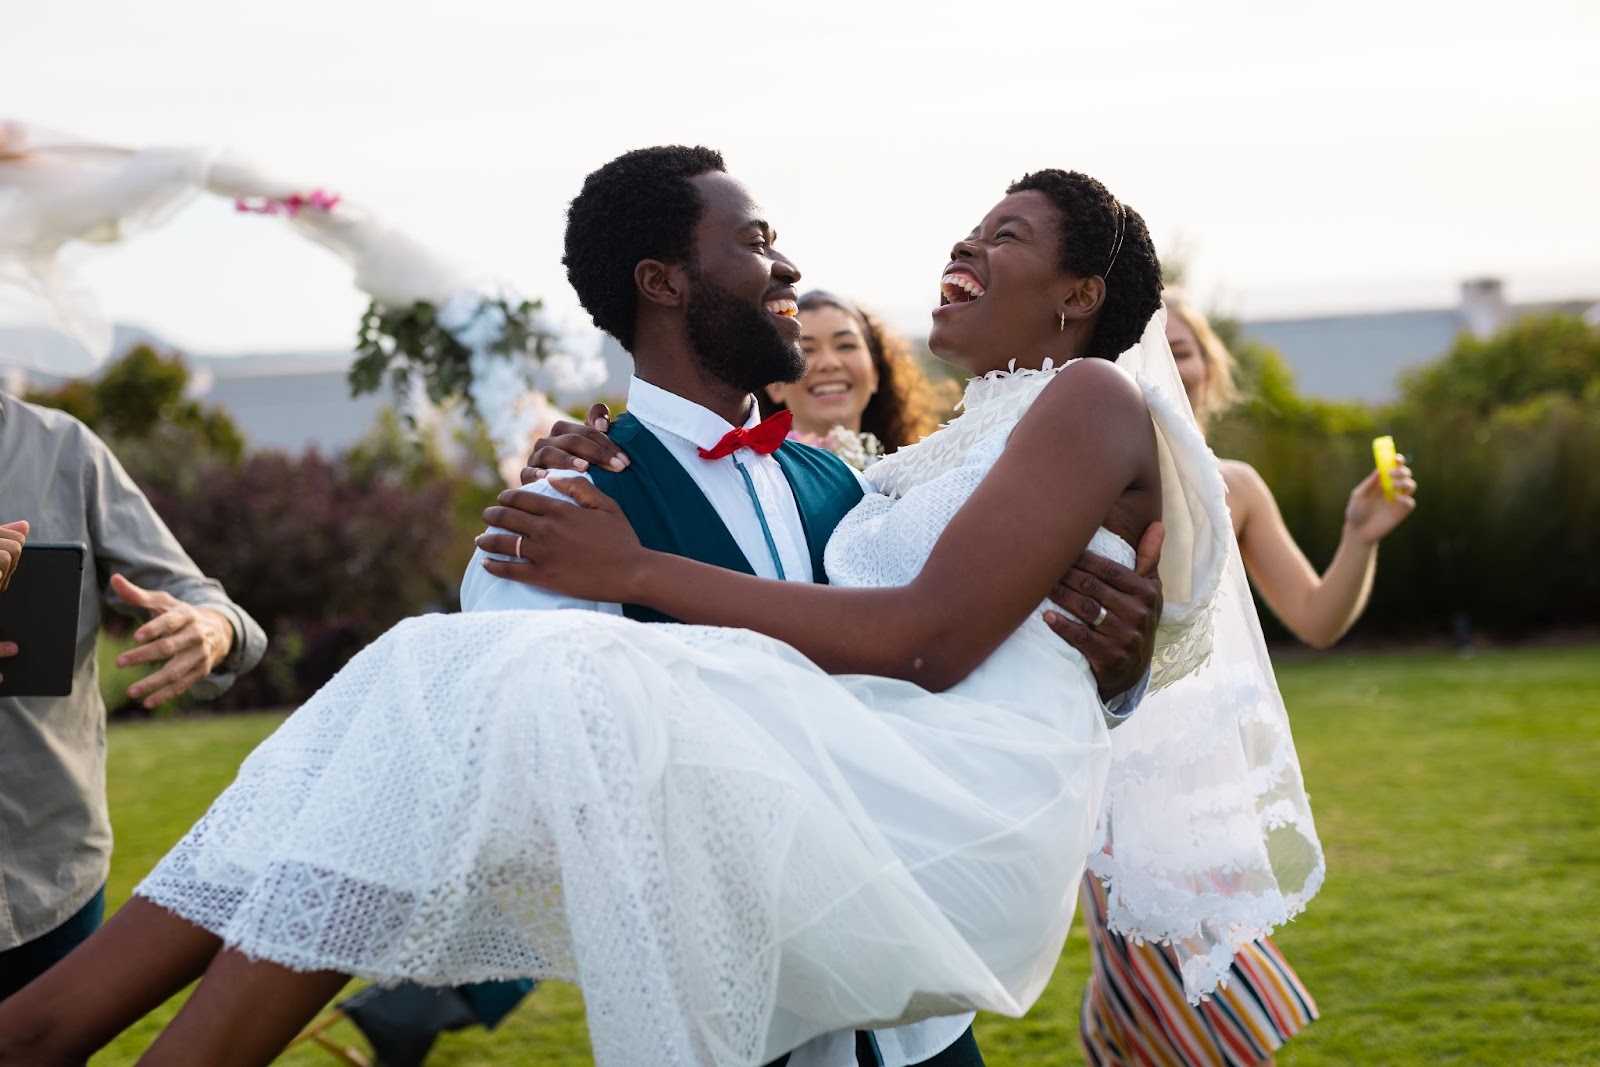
(55,832)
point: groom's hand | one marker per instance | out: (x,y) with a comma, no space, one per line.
(1120,648)
(571,447)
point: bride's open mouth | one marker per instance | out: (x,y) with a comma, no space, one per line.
(958,288)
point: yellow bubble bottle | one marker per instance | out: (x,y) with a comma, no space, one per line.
(1383,454)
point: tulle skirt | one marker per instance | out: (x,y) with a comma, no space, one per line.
(730,851)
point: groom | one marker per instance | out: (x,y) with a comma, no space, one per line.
(674,258)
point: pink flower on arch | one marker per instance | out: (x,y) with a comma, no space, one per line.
(292,205)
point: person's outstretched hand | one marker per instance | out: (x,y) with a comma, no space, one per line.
(13,535)
(571,447)
(1120,648)
(1370,517)
(192,640)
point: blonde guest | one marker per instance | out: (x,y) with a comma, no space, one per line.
(1134,1009)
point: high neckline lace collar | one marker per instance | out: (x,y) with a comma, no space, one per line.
(987,388)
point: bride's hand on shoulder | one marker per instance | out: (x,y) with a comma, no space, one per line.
(588,552)
(572,446)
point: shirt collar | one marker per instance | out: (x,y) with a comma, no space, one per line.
(683,418)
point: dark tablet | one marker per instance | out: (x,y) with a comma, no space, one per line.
(40,613)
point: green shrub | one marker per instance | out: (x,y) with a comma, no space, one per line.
(1504,435)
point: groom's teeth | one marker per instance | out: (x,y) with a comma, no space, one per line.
(787,308)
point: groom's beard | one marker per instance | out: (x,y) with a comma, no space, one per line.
(737,344)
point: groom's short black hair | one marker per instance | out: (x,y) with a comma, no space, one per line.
(1090,219)
(639,206)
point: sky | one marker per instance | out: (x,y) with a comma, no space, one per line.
(1301,159)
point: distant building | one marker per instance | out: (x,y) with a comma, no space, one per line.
(295,401)
(1363,356)
(288,401)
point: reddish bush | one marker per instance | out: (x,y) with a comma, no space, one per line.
(324,554)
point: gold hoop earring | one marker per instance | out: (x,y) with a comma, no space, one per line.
(1061,323)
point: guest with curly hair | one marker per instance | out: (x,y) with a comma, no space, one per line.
(860,375)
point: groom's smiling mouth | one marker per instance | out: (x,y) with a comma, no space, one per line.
(782,305)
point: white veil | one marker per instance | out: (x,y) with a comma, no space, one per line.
(1206,840)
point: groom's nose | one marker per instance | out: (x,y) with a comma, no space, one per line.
(783,268)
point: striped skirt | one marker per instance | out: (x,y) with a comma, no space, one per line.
(1135,1013)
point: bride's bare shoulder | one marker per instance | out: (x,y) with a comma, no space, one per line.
(1096,389)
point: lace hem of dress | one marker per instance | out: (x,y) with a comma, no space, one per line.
(1208,961)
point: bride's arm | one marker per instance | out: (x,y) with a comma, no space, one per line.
(1086,441)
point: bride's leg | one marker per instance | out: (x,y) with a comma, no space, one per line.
(127,968)
(243,1012)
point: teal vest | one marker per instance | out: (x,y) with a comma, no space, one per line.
(670,513)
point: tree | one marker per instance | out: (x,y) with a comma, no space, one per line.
(1534,356)
(140,407)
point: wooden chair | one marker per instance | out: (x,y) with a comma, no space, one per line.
(316,1033)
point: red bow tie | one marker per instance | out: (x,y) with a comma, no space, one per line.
(764,437)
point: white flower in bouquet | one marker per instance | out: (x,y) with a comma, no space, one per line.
(859,450)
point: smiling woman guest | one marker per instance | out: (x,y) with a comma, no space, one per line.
(860,375)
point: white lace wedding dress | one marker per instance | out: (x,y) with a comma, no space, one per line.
(727,849)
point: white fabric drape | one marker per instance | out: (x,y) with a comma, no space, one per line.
(1206,840)
(57,190)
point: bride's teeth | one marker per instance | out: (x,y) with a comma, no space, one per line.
(953,284)
(787,308)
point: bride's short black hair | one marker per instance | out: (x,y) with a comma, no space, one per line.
(639,206)
(1090,220)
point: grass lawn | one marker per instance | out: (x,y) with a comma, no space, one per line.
(1458,800)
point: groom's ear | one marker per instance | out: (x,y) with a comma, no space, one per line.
(661,283)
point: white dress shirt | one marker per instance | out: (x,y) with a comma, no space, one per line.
(685,427)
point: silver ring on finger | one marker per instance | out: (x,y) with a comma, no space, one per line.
(1100,618)
(518,550)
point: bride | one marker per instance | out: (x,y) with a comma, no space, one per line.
(703,824)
